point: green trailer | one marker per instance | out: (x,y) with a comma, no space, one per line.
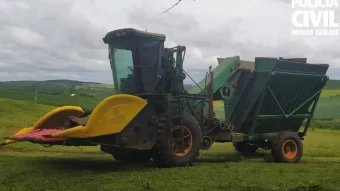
(152,115)
(266,103)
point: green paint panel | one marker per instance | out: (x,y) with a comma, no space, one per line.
(288,89)
(262,97)
(221,73)
(122,35)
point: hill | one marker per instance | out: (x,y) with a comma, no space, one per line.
(328,107)
(333,84)
(86,99)
(89,94)
(48,85)
(57,92)
(16,114)
(71,85)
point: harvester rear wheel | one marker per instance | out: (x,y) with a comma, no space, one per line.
(169,156)
(244,148)
(287,147)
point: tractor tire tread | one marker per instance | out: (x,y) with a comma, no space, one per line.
(163,157)
(277,143)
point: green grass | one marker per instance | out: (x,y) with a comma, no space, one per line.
(17,114)
(333,84)
(328,93)
(328,108)
(85,100)
(220,168)
(57,93)
(26,166)
(326,123)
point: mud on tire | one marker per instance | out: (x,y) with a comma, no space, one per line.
(163,155)
(286,147)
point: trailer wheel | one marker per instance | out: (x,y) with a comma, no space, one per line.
(244,148)
(169,156)
(287,147)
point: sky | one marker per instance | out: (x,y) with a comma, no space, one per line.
(62,39)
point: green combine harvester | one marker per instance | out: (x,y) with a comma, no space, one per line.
(153,116)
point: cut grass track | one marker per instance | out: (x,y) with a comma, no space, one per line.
(88,172)
(220,168)
(26,166)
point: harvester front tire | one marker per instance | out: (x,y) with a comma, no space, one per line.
(283,142)
(244,148)
(163,153)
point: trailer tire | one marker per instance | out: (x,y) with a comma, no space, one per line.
(244,148)
(163,153)
(281,141)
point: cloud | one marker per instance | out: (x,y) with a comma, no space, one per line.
(250,33)
(46,39)
(50,37)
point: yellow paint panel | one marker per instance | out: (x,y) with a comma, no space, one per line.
(113,114)
(74,132)
(52,119)
(24,130)
(8,141)
(57,116)
(110,116)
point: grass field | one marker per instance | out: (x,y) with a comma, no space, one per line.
(329,93)
(88,95)
(220,168)
(26,166)
(88,101)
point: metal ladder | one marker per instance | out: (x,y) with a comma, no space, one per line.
(175,106)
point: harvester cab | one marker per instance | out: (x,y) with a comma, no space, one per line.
(263,104)
(140,64)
